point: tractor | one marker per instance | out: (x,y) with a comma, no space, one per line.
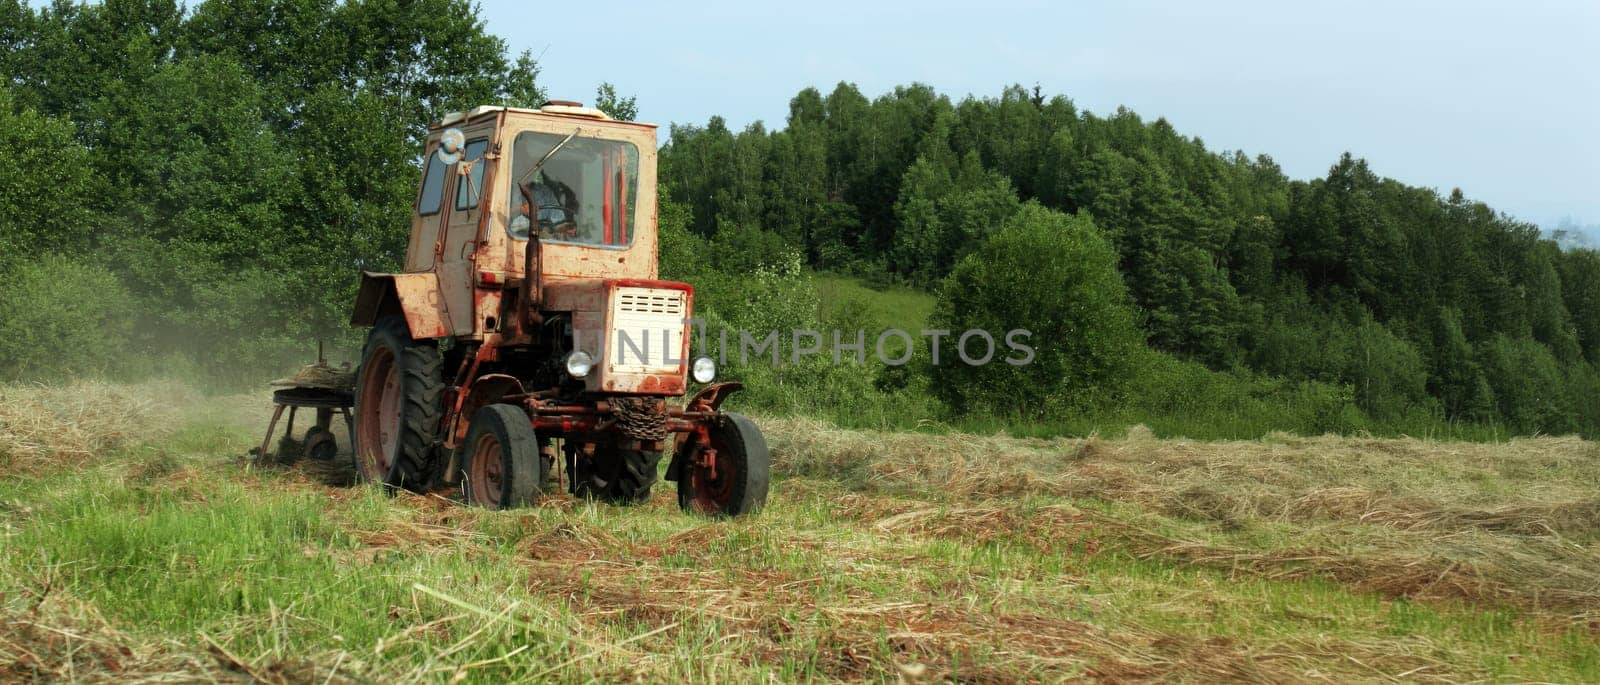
(528,341)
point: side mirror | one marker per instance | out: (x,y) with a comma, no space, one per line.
(450,146)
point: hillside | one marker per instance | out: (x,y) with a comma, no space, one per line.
(137,545)
(1425,305)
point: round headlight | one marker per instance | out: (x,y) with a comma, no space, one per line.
(579,363)
(704,370)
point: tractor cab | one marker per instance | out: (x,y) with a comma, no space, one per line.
(581,185)
(584,183)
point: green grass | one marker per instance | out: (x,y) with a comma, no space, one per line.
(906,565)
(894,306)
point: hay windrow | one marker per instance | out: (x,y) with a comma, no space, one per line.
(1513,523)
(56,426)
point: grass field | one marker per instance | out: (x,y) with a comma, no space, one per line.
(894,306)
(135,545)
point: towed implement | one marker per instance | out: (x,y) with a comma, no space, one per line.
(529,334)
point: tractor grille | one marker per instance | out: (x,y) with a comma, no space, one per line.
(650,301)
(647,330)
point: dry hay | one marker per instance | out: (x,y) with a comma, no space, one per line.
(427,523)
(54,426)
(47,636)
(320,375)
(924,634)
(1526,486)
(1514,522)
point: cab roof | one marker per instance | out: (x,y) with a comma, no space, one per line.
(548,109)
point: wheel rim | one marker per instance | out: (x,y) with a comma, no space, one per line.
(380,414)
(486,473)
(714,495)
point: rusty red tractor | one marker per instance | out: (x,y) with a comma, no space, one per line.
(529,324)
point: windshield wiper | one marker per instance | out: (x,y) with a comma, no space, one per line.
(549,154)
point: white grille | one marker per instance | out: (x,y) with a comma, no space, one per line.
(646,330)
(650,301)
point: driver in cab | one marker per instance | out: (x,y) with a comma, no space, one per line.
(553,204)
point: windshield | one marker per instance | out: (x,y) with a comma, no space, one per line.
(582,194)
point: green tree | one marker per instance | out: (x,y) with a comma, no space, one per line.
(62,318)
(1528,385)
(1387,374)
(947,205)
(46,185)
(615,106)
(1580,291)
(1456,378)
(1055,276)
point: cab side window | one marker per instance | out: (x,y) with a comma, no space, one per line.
(432,196)
(470,190)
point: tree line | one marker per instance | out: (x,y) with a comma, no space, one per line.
(1418,303)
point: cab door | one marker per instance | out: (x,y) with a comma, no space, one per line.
(427,219)
(464,200)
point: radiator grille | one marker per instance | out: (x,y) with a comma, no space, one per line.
(650,301)
(647,330)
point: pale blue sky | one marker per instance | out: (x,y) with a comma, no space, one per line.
(1501,99)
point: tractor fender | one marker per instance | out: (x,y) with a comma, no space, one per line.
(708,399)
(414,296)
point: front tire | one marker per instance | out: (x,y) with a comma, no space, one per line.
(501,456)
(735,483)
(397,408)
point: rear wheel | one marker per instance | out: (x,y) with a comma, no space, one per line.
(616,475)
(397,406)
(501,456)
(732,479)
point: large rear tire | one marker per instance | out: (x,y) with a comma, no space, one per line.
(735,483)
(616,475)
(501,456)
(398,389)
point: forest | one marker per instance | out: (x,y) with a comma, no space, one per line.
(195,189)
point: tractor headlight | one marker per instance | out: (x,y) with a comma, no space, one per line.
(704,370)
(579,363)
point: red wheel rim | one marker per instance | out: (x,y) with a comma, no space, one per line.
(486,473)
(379,422)
(713,494)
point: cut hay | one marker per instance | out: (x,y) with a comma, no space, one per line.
(55,426)
(1514,523)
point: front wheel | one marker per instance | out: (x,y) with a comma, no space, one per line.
(728,476)
(504,467)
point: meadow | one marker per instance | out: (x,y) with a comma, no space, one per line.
(140,545)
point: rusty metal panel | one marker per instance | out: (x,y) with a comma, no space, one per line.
(585,300)
(422,304)
(574,295)
(415,296)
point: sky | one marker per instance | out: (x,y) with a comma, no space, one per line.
(1501,99)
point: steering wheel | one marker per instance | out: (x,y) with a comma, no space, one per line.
(565,229)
